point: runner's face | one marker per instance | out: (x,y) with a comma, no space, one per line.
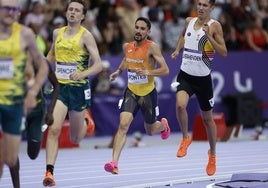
(204,8)
(9,11)
(74,13)
(141,31)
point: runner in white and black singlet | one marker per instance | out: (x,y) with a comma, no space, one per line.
(200,39)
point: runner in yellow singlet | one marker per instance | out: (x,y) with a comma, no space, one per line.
(143,60)
(72,50)
(16,42)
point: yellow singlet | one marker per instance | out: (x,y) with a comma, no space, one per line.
(12,68)
(70,56)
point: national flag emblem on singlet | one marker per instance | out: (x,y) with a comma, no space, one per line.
(208,50)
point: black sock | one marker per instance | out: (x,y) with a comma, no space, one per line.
(50,168)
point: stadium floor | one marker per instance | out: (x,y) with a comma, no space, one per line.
(153,165)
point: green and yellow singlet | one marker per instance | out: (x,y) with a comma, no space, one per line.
(70,57)
(12,68)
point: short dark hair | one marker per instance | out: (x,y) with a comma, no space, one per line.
(82,2)
(146,20)
(212,2)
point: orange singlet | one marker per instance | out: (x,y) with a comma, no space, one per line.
(138,57)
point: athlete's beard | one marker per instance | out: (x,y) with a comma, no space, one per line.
(139,38)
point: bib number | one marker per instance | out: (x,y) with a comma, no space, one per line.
(6,68)
(63,70)
(192,57)
(133,78)
(87,94)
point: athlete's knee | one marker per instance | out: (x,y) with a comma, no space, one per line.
(123,128)
(208,122)
(75,139)
(54,132)
(181,107)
